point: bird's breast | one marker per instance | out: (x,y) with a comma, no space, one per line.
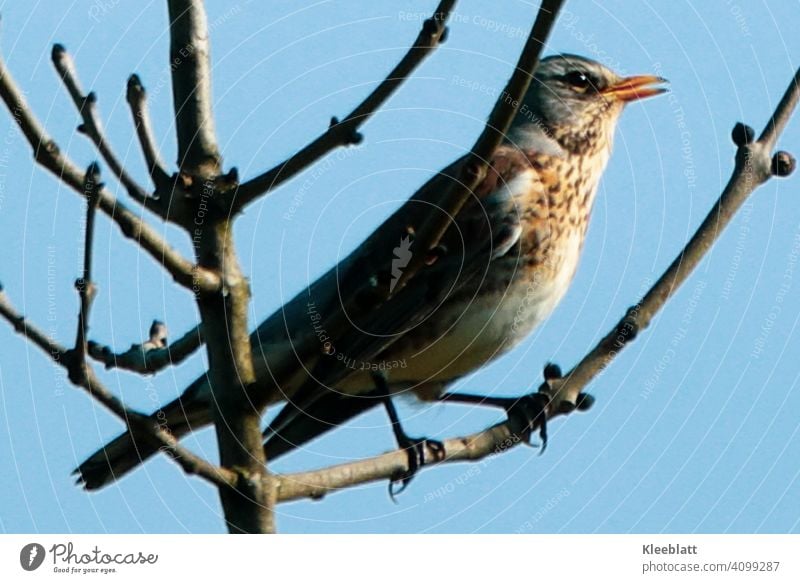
(472,329)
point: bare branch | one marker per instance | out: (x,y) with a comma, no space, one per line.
(237,418)
(92,128)
(342,133)
(152,355)
(29,331)
(754,166)
(140,425)
(783,112)
(47,153)
(137,100)
(316,484)
(198,153)
(248,507)
(85,286)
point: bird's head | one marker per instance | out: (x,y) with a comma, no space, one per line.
(577,101)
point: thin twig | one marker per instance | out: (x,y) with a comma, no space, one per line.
(47,153)
(137,100)
(342,133)
(150,356)
(32,333)
(85,286)
(92,128)
(138,424)
(753,168)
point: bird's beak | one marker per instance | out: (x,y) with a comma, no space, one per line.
(635,88)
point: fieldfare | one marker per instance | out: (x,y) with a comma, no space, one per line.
(504,263)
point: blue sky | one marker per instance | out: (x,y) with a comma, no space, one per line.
(695,426)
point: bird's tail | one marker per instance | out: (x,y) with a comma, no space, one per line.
(295,426)
(121,455)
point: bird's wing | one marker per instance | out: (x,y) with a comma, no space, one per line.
(487,227)
(293,336)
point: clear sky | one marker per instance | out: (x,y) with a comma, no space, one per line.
(695,428)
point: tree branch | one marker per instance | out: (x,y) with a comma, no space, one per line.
(47,153)
(249,506)
(140,425)
(754,166)
(137,100)
(150,356)
(345,132)
(85,286)
(92,128)
(783,112)
(316,484)
(198,153)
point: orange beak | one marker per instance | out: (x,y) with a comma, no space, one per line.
(635,88)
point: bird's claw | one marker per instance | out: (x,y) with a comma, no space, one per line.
(415,450)
(527,414)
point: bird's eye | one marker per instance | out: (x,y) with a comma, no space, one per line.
(580,81)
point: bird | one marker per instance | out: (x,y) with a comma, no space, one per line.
(499,270)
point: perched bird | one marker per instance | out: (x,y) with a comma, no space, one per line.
(504,263)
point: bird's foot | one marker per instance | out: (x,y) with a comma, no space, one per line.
(415,450)
(527,414)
